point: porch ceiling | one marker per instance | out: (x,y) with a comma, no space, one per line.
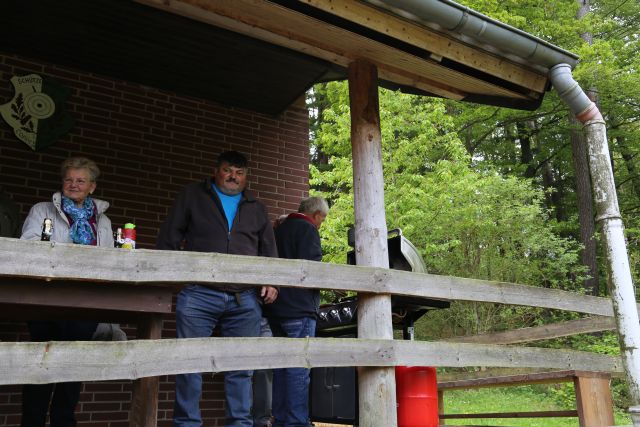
(133,42)
(258,54)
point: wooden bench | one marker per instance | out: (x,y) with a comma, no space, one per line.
(594,405)
(140,305)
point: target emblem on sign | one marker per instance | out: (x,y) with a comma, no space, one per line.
(39,105)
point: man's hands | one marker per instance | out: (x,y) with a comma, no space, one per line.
(268,294)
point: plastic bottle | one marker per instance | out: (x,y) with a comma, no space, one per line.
(47,229)
(129,236)
(118,240)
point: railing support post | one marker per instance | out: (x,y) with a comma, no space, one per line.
(376,386)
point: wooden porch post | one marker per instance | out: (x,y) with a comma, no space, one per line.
(376,386)
(593,400)
(144,402)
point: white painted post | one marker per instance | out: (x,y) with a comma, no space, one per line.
(376,386)
(608,217)
(619,278)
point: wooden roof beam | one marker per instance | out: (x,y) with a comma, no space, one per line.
(436,43)
(278,25)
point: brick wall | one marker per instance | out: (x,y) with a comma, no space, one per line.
(148,143)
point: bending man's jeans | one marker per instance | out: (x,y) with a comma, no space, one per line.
(198,310)
(262,387)
(291,385)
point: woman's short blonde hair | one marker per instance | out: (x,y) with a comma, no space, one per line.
(80,163)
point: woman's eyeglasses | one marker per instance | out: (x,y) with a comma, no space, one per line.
(78,182)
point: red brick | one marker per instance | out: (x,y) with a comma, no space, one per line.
(184,103)
(260,172)
(100,406)
(132,104)
(155,125)
(212,108)
(288,206)
(142,98)
(268,181)
(137,113)
(112,396)
(294,172)
(157,95)
(180,130)
(104,90)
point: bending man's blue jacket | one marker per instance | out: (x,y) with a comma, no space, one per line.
(296,238)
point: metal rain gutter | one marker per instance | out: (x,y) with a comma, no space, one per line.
(456,18)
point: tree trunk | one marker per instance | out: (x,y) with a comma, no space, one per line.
(526,149)
(585,208)
(583,187)
(553,191)
(629,163)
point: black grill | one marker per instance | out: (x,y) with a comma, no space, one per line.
(334,390)
(340,319)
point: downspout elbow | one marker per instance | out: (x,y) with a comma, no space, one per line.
(572,94)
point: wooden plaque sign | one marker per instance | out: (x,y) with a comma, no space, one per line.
(36,111)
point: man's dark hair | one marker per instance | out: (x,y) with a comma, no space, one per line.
(234,158)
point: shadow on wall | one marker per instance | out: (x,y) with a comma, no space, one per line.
(9,216)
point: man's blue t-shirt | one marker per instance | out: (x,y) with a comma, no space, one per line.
(229,204)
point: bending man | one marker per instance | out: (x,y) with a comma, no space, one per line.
(294,313)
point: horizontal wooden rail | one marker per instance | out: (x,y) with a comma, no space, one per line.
(544,332)
(93,361)
(51,261)
(552,377)
(465,375)
(533,414)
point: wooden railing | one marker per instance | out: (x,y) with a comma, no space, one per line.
(66,361)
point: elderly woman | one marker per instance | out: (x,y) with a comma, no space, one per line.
(77,218)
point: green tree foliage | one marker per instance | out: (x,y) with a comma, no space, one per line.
(489,192)
(466,222)
(537,144)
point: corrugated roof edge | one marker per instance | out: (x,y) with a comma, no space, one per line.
(457,19)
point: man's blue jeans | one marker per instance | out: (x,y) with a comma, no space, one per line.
(198,310)
(291,385)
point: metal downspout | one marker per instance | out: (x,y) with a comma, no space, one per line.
(619,280)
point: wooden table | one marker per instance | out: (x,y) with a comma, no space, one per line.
(594,404)
(142,305)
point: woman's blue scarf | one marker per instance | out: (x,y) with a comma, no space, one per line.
(81,231)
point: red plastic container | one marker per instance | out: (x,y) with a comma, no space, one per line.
(417,396)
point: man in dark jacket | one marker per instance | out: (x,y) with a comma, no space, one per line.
(219,216)
(293,314)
